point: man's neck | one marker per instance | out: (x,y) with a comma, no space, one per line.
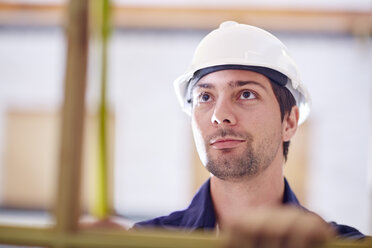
(233,197)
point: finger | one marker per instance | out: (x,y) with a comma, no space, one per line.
(264,228)
(274,232)
(245,230)
(237,238)
(309,230)
(272,242)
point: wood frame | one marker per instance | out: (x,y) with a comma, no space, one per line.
(345,22)
(66,232)
(129,239)
(271,19)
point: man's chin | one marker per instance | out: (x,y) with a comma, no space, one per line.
(228,177)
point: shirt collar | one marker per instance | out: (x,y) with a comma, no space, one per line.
(289,197)
(200,213)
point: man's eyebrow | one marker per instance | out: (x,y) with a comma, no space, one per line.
(204,86)
(233,84)
(240,83)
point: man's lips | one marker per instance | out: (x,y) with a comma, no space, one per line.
(226,143)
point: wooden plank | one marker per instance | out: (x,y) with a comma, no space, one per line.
(149,239)
(299,20)
(101,16)
(99,239)
(272,19)
(27,236)
(67,206)
(16,14)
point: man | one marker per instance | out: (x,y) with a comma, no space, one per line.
(246,99)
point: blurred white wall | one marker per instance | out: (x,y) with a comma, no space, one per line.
(338,73)
(153,153)
(31,75)
(32,68)
(152,174)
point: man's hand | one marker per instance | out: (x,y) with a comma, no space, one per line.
(105,224)
(278,227)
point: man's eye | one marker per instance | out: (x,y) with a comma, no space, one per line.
(247,95)
(205,97)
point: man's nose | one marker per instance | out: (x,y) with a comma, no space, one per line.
(223,114)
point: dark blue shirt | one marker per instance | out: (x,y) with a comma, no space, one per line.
(200,214)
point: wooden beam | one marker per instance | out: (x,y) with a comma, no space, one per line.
(68,202)
(349,22)
(143,239)
(278,20)
(153,239)
(12,14)
(101,13)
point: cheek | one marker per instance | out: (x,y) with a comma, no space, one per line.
(261,120)
(200,122)
(271,123)
(198,133)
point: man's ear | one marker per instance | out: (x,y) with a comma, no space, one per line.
(290,123)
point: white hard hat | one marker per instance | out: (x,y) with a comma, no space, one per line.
(235,44)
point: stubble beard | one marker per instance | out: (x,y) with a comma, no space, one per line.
(249,163)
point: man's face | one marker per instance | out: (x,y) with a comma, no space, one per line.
(236,123)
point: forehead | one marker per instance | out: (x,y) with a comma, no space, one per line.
(229,78)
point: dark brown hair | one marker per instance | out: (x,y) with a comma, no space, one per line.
(286,102)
